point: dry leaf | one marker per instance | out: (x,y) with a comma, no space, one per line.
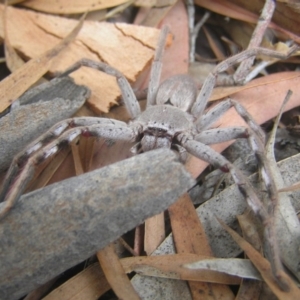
(242,10)
(189,237)
(171,266)
(70,6)
(13,60)
(154,233)
(115,274)
(88,284)
(282,81)
(233,266)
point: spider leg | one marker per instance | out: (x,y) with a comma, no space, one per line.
(209,155)
(219,110)
(16,186)
(254,133)
(156,67)
(256,39)
(264,210)
(128,95)
(53,133)
(220,135)
(209,83)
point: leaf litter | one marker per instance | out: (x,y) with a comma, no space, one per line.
(262,95)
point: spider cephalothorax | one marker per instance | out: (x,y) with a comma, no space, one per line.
(162,132)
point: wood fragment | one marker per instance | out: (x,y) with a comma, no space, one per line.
(37,32)
(38,110)
(18,82)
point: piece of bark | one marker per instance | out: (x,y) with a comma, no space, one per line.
(38,110)
(52,229)
(32,33)
(14,85)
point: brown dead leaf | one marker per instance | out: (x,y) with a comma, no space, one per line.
(171,266)
(154,233)
(91,282)
(176,20)
(189,237)
(264,267)
(33,33)
(70,6)
(285,20)
(115,274)
(285,17)
(88,284)
(267,82)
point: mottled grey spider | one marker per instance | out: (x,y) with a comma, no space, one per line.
(174,118)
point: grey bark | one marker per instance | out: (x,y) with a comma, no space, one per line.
(35,112)
(54,228)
